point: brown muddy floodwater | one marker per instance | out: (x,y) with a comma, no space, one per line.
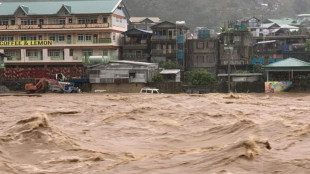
(155,134)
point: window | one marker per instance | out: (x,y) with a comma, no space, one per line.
(54,53)
(88,37)
(32,37)
(105,20)
(58,21)
(28,37)
(105,53)
(200,59)
(6,38)
(57,38)
(84,37)
(4,22)
(29,22)
(200,45)
(87,53)
(113,36)
(32,53)
(10,53)
(106,35)
(71,52)
(87,20)
(23,37)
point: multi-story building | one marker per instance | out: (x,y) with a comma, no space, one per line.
(60,33)
(269,49)
(235,49)
(136,45)
(143,23)
(202,54)
(168,42)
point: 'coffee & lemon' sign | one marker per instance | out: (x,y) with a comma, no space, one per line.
(27,43)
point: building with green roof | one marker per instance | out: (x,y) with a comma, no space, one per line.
(60,33)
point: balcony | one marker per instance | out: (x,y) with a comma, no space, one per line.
(133,56)
(35,58)
(102,40)
(166,53)
(135,46)
(164,38)
(13,58)
(53,26)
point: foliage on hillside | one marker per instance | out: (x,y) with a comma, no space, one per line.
(214,13)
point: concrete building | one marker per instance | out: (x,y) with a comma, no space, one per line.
(136,45)
(235,49)
(122,75)
(202,54)
(143,23)
(60,33)
(168,42)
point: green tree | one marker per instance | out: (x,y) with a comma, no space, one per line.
(169,65)
(158,78)
(200,77)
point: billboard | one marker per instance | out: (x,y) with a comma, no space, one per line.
(277,86)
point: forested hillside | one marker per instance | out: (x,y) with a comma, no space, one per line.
(213,13)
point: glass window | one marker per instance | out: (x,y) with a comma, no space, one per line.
(71,52)
(200,45)
(84,37)
(105,20)
(88,37)
(32,37)
(32,53)
(29,22)
(87,20)
(4,22)
(23,37)
(54,53)
(53,38)
(61,38)
(6,38)
(81,37)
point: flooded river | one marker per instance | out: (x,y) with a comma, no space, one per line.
(155,134)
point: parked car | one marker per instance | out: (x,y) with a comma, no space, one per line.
(149,91)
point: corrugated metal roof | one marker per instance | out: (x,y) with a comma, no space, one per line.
(137,29)
(52,8)
(133,62)
(140,19)
(288,63)
(170,71)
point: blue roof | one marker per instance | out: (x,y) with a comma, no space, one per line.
(52,8)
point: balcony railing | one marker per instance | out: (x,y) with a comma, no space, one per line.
(133,56)
(14,58)
(53,26)
(35,58)
(135,46)
(156,52)
(166,38)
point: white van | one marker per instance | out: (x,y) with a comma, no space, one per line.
(149,91)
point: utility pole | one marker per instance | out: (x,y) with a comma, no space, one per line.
(230,48)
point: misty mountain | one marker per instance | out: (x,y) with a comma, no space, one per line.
(214,13)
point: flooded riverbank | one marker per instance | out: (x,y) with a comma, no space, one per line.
(134,133)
